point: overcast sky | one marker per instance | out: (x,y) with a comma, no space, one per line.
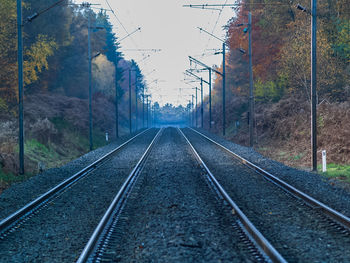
(167,25)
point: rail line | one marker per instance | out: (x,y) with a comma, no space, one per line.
(104,232)
(253,233)
(16,219)
(96,244)
(339,218)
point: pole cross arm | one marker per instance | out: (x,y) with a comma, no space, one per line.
(199,78)
(136,30)
(204,65)
(189,73)
(210,34)
(36,14)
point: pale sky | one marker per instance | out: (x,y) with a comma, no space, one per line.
(167,25)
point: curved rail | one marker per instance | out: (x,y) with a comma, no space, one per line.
(262,242)
(120,197)
(335,215)
(11,219)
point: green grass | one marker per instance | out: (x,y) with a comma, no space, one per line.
(38,152)
(72,144)
(7,179)
(341,172)
(76,137)
(297,157)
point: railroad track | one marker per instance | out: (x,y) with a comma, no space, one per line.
(327,221)
(100,246)
(17,219)
(257,243)
(99,240)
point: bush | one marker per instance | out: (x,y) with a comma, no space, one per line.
(269,91)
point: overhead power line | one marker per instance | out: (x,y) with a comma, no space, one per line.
(142,49)
(120,22)
(35,15)
(210,6)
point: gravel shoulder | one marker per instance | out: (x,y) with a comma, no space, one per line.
(172,215)
(313,184)
(59,232)
(22,193)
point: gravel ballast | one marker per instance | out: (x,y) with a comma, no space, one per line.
(22,193)
(298,232)
(310,183)
(59,232)
(172,214)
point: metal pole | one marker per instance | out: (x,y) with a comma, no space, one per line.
(196,109)
(192,110)
(116,101)
(143,108)
(202,103)
(189,113)
(130,128)
(20,86)
(90,84)
(223,88)
(313,84)
(251,95)
(209,98)
(147,111)
(136,111)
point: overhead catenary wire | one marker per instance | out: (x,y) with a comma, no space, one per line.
(216,23)
(120,22)
(35,15)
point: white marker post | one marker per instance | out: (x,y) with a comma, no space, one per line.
(106,136)
(324,161)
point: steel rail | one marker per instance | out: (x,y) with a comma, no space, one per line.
(95,237)
(262,242)
(335,215)
(25,210)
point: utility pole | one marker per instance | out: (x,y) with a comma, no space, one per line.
(196,108)
(202,103)
(143,108)
(223,74)
(90,84)
(251,95)
(188,72)
(313,83)
(116,100)
(20,25)
(130,128)
(20,85)
(223,88)
(147,112)
(136,110)
(210,98)
(192,59)
(192,110)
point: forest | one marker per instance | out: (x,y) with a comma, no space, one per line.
(56,81)
(281,69)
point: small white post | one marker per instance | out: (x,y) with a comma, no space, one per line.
(324,161)
(106,136)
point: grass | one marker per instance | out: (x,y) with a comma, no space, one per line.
(38,152)
(73,143)
(7,179)
(336,171)
(78,139)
